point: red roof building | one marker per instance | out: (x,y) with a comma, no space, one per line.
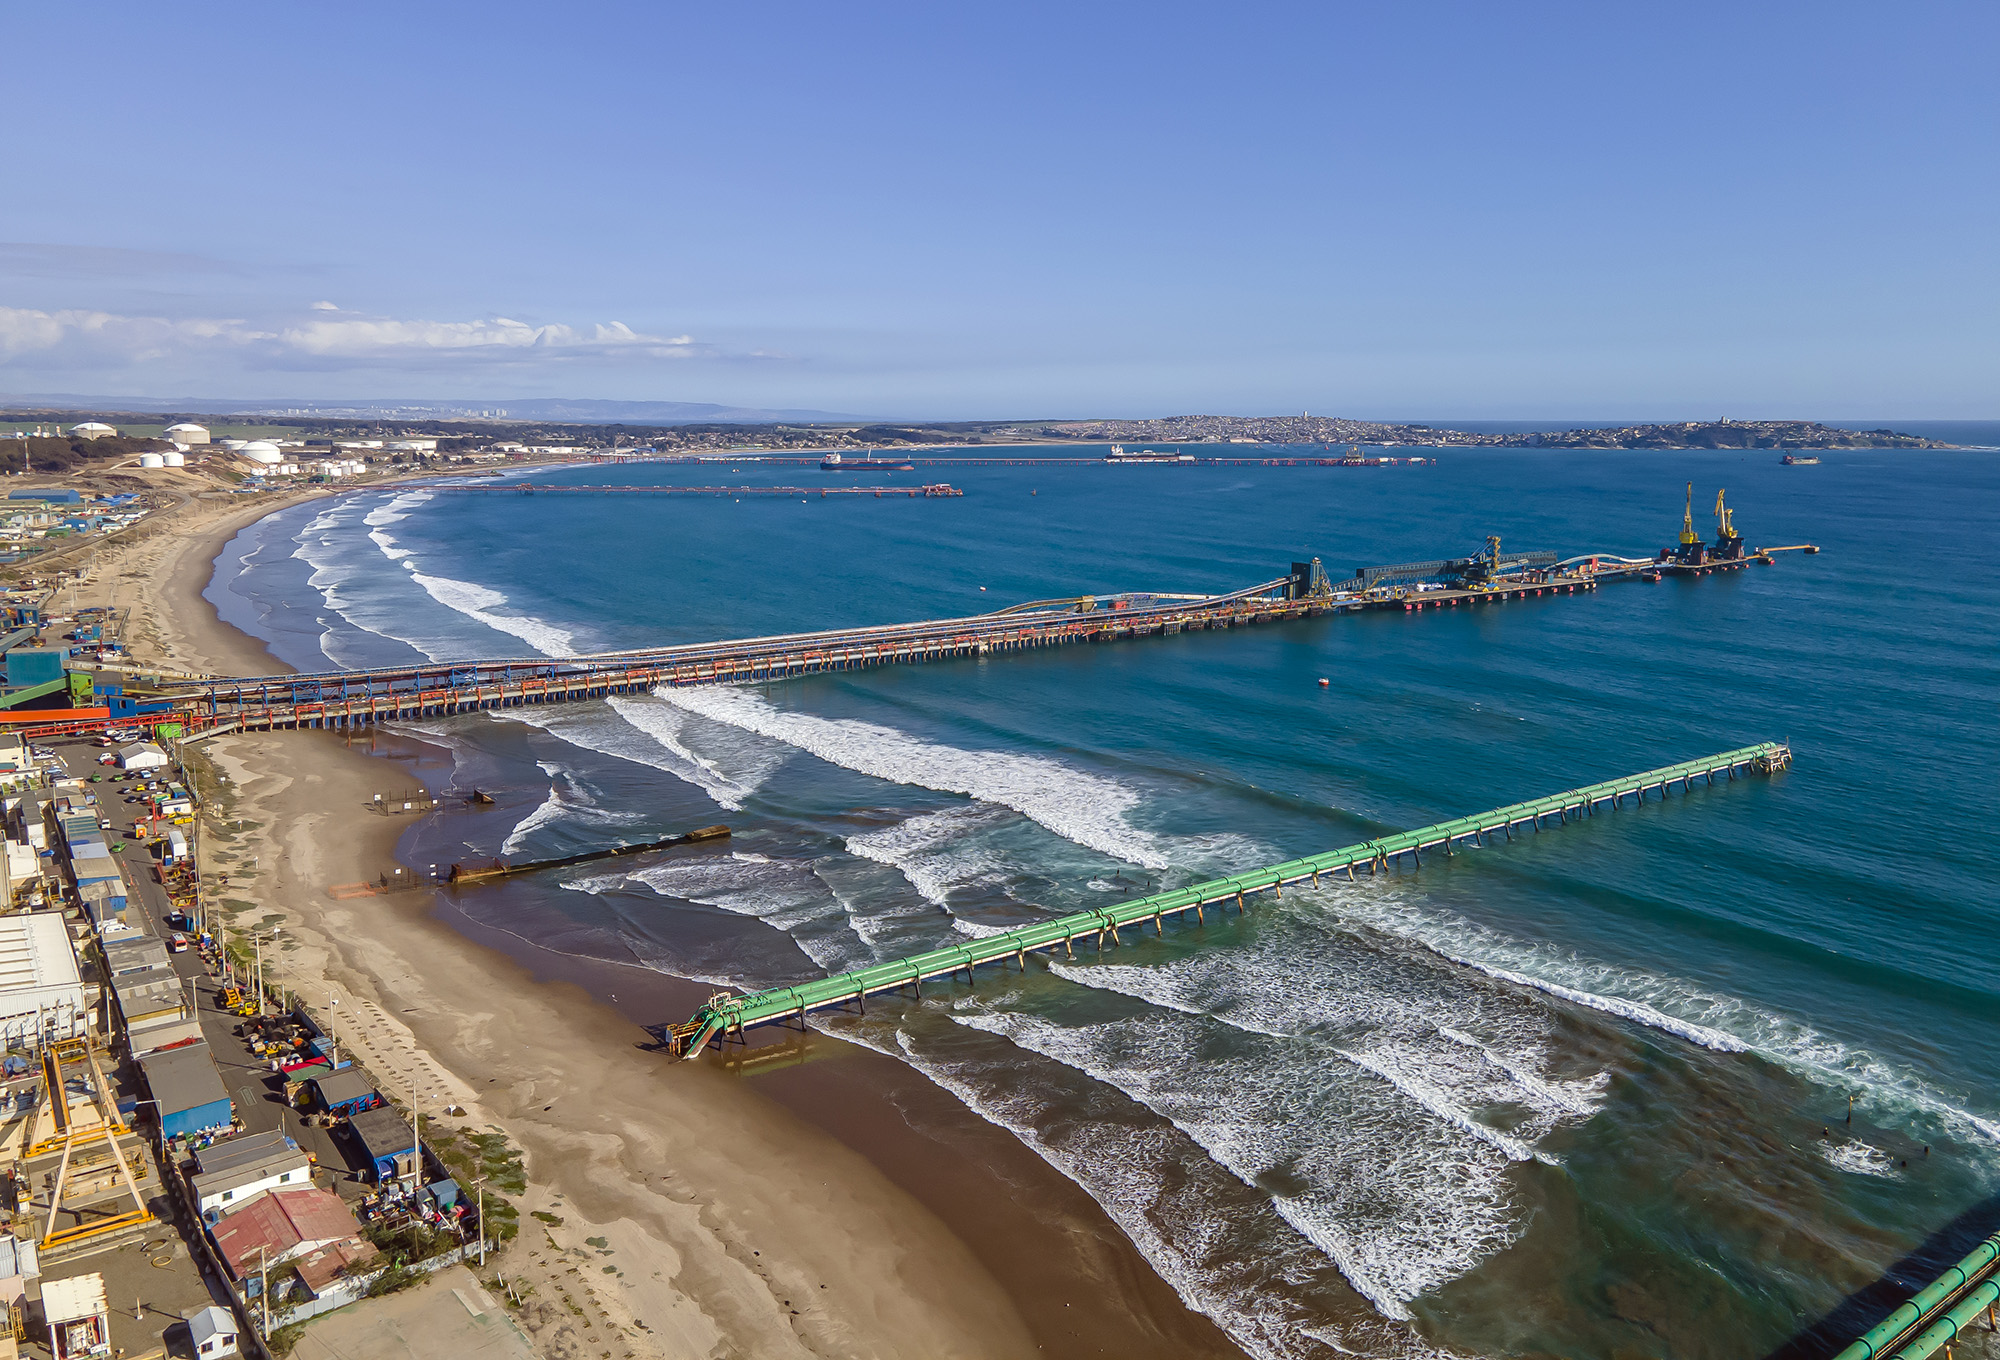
(306,1223)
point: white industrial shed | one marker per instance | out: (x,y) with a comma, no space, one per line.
(41,988)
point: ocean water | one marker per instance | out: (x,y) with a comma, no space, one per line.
(1586,1093)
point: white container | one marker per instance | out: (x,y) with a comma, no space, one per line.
(152,460)
(174,458)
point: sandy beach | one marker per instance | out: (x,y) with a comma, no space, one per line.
(841,1208)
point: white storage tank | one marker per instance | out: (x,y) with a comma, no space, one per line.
(187,432)
(152,460)
(174,458)
(262,451)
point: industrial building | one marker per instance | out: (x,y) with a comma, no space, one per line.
(187,432)
(235,1171)
(345,1092)
(386,1139)
(286,1225)
(188,1088)
(41,987)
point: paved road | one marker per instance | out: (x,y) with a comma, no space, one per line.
(257,1092)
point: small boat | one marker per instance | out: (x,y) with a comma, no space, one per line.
(1800,460)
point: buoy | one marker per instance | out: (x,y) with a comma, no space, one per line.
(1324,682)
(982,587)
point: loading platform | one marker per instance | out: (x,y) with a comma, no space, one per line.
(726,1016)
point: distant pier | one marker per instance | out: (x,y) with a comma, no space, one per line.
(802,492)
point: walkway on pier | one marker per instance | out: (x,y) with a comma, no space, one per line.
(383,694)
(731,1015)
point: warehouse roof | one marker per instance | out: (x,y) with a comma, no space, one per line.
(183,1078)
(35,951)
(383,1131)
(346,1084)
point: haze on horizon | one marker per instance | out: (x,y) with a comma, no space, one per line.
(1428,211)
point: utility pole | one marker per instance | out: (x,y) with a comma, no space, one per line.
(264,1289)
(482,1220)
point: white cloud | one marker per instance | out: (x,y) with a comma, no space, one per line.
(328,334)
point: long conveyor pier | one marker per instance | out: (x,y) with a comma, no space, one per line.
(729,1016)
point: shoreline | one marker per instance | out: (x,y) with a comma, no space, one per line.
(926,1230)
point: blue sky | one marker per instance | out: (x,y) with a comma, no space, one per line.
(1414,210)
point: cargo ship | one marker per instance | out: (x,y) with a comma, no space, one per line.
(833,462)
(1119,455)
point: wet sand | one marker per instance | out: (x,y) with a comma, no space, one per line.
(838,1207)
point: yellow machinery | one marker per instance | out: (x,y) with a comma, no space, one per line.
(106,1128)
(1728,543)
(1688,539)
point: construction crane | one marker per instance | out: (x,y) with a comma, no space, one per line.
(1688,539)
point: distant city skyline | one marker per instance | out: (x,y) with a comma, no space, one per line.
(1453,211)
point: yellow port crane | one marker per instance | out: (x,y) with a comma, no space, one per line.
(1688,538)
(1725,519)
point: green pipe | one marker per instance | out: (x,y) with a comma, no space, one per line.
(735,1013)
(1877,1339)
(1947,1328)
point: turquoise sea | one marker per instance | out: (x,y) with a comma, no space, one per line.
(1585,1094)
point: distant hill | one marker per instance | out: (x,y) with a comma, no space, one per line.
(570,410)
(1301,429)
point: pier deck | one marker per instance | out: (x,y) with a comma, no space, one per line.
(731,1015)
(212,705)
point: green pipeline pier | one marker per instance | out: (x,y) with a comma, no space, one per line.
(728,1016)
(1938,1313)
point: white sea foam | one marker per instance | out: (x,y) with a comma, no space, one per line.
(938,852)
(1087,808)
(784,894)
(550,809)
(1382,1012)
(481,603)
(1138,1176)
(1399,1202)
(397,508)
(1721,1023)
(1859,1159)
(649,733)
(569,800)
